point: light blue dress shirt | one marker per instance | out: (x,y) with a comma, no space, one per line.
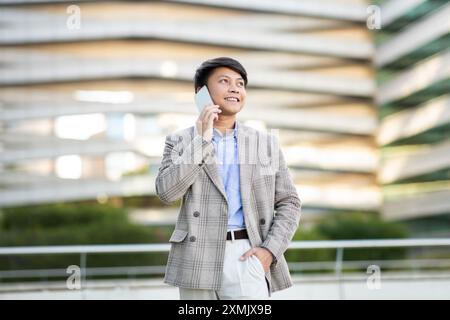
(226,148)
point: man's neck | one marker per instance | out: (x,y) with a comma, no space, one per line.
(223,124)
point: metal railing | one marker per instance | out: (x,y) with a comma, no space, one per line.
(337,265)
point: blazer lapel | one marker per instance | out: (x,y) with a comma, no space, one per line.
(212,170)
(246,152)
(247,145)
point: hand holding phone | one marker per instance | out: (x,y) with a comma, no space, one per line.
(202,98)
(208,113)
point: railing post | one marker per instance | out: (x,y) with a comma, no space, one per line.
(338,270)
(83,272)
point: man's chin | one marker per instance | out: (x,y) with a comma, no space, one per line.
(230,110)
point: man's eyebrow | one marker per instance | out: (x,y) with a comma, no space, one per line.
(224,75)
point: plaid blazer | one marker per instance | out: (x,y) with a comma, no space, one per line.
(271,206)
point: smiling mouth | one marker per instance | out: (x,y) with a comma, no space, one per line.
(232,99)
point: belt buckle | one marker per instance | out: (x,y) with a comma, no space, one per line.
(232,235)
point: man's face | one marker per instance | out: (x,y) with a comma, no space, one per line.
(227,90)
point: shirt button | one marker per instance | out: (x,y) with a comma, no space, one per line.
(192,239)
(196,214)
(180,153)
(262,221)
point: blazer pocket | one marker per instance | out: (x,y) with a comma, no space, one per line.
(178,236)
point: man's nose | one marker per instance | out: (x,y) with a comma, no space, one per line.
(233,89)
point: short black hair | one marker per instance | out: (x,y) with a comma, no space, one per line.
(207,67)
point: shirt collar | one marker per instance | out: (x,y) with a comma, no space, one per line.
(218,135)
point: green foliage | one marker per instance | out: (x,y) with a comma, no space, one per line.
(65,224)
(360,226)
(364,226)
(347,227)
(59,215)
(297,255)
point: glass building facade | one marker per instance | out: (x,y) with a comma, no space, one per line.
(413,64)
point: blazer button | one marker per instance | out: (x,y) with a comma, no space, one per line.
(262,221)
(180,153)
(196,214)
(192,239)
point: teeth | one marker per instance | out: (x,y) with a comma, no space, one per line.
(231,99)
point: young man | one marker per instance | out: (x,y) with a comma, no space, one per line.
(228,242)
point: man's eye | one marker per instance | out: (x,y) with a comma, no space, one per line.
(223,80)
(240,84)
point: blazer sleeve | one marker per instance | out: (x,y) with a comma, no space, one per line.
(180,165)
(288,210)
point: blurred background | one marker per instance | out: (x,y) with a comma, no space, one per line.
(358,90)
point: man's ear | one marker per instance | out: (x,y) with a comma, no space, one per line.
(198,88)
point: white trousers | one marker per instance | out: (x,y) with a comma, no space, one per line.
(241,280)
